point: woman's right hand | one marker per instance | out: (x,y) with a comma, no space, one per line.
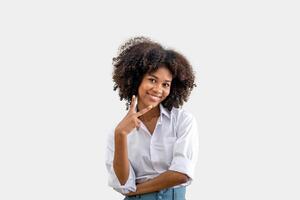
(131,120)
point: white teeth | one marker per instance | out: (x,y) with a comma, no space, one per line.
(154,97)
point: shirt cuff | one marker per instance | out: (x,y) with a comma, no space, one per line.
(129,186)
(183,165)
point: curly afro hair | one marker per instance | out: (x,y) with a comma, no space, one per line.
(139,56)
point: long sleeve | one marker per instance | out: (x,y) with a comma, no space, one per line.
(185,152)
(113,181)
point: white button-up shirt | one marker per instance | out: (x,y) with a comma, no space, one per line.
(172,146)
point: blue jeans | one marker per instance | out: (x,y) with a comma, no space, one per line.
(166,194)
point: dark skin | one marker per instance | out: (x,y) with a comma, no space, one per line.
(121,163)
(129,122)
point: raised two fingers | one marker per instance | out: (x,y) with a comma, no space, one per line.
(132,107)
(140,113)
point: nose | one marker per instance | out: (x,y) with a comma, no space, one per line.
(157,88)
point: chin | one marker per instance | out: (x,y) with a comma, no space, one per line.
(151,104)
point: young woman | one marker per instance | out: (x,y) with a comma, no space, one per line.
(152,152)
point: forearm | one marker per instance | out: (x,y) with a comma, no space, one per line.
(165,180)
(120,162)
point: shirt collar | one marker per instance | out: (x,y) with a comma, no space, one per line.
(164,111)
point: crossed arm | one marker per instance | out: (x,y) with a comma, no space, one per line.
(163,181)
(121,167)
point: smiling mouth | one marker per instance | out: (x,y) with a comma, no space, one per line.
(154,97)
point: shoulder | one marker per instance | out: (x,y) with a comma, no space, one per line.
(183,119)
(184,122)
(180,114)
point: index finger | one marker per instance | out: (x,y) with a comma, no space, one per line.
(140,113)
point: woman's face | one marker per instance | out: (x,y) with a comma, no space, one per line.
(154,88)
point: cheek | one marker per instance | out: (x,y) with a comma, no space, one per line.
(166,93)
(142,89)
(140,92)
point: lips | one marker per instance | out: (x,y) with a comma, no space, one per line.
(154,97)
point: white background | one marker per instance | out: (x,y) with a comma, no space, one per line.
(57,102)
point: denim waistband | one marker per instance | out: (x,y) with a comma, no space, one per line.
(165,194)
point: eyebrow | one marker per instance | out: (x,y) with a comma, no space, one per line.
(158,78)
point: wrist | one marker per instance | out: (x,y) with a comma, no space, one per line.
(120,132)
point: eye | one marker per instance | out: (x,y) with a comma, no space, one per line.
(166,84)
(152,80)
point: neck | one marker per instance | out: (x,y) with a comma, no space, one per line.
(153,113)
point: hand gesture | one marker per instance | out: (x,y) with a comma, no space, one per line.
(131,120)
